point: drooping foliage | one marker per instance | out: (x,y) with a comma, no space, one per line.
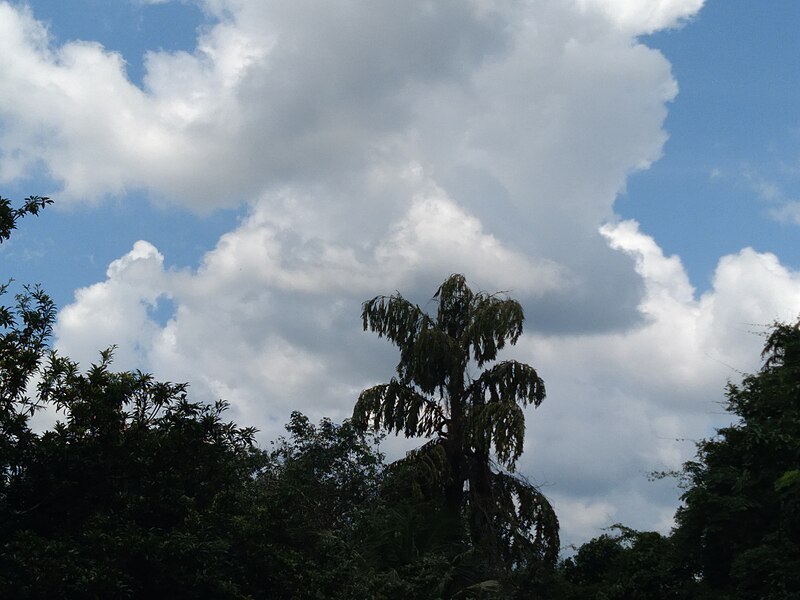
(476,424)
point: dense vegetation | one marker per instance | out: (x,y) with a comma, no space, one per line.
(737,534)
(140,492)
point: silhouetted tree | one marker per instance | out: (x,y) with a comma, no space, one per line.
(626,565)
(25,328)
(739,528)
(10,215)
(737,534)
(475,423)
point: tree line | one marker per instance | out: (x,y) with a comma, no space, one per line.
(137,491)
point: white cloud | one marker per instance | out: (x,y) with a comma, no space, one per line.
(278,94)
(788,212)
(382,146)
(115,312)
(255,330)
(528,117)
(436,235)
(645,16)
(585,517)
(624,404)
(266,312)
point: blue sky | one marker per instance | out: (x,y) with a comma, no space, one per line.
(53,251)
(233,178)
(131,28)
(733,128)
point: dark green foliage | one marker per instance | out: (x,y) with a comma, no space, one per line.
(10,215)
(509,526)
(314,496)
(738,528)
(626,566)
(136,494)
(25,329)
(142,493)
(24,332)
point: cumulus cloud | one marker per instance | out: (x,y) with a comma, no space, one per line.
(261,319)
(381,146)
(621,404)
(644,16)
(528,117)
(117,312)
(277,94)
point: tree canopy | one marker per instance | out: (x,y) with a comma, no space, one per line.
(737,533)
(739,527)
(137,491)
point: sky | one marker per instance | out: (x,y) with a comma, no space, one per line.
(233,178)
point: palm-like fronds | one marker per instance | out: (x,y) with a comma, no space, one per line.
(469,419)
(525,519)
(397,407)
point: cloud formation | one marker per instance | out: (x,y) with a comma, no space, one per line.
(625,404)
(526,116)
(381,146)
(644,16)
(620,404)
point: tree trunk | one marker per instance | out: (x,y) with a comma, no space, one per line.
(481,506)
(455,448)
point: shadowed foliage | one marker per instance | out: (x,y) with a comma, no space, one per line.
(10,215)
(737,535)
(138,492)
(739,528)
(477,425)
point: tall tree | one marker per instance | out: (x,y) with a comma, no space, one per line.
(476,425)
